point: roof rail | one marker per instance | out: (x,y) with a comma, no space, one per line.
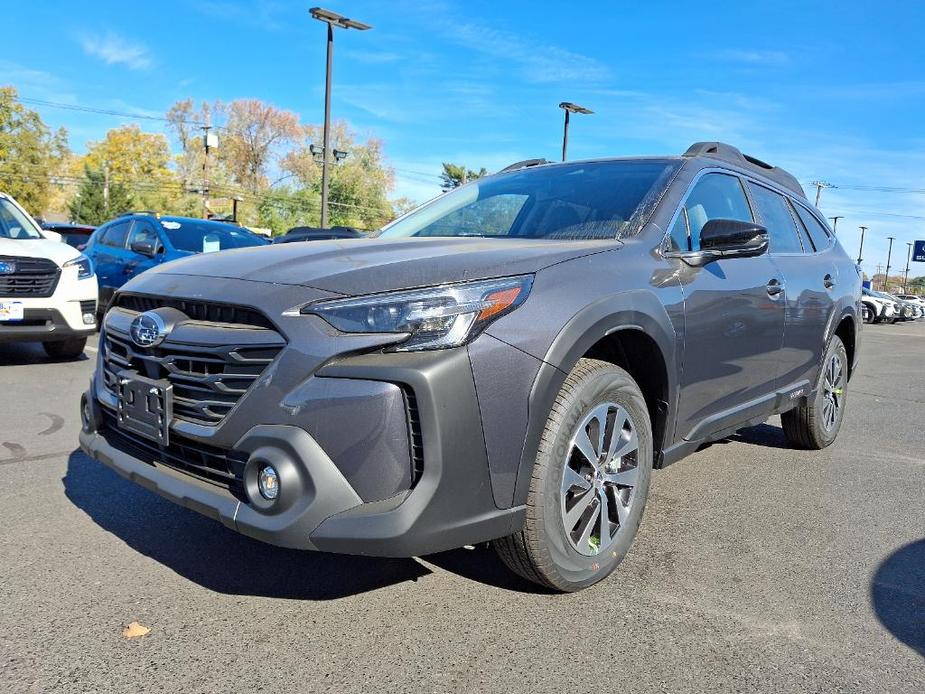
(728,153)
(155,213)
(525,164)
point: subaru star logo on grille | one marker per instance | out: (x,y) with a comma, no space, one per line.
(7,268)
(148,329)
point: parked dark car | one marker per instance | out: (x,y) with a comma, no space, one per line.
(507,363)
(132,243)
(76,235)
(318,234)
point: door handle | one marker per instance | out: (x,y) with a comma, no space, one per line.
(775,287)
(129,269)
(828,282)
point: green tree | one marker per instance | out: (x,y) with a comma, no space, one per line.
(455,175)
(97,199)
(30,153)
(360,184)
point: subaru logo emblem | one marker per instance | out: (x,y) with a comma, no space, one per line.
(148,329)
(7,268)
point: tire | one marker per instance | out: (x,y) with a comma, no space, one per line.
(545,550)
(65,349)
(868,314)
(811,424)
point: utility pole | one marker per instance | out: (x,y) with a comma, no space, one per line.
(834,221)
(208,141)
(886,278)
(819,186)
(879,266)
(332,19)
(861,248)
(908,258)
(569,107)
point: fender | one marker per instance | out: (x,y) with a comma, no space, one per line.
(638,309)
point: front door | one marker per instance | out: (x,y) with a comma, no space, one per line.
(734,319)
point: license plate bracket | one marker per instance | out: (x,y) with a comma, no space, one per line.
(145,406)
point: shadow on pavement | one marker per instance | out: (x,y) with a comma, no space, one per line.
(205,552)
(23,353)
(897,594)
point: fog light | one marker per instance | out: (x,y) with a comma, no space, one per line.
(268,482)
(89,319)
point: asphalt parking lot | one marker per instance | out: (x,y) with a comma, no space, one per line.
(756,568)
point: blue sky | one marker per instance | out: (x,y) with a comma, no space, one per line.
(829,90)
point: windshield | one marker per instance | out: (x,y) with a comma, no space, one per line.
(594,200)
(208,237)
(14,224)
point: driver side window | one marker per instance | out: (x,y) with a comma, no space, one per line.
(143,232)
(715,196)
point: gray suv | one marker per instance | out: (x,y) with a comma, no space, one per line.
(506,363)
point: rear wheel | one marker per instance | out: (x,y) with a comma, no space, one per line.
(590,482)
(65,349)
(815,423)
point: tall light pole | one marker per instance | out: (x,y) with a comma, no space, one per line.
(886,276)
(819,186)
(332,19)
(834,221)
(908,258)
(861,247)
(569,107)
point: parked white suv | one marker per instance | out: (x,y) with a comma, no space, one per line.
(48,289)
(876,308)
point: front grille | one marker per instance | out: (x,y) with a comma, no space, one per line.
(207,381)
(88,306)
(224,468)
(31,277)
(209,311)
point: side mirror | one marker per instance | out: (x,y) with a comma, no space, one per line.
(726,238)
(144,247)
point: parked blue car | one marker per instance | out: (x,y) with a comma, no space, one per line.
(128,245)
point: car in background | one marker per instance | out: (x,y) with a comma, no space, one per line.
(318,234)
(137,241)
(76,235)
(48,289)
(876,308)
(919,301)
(908,310)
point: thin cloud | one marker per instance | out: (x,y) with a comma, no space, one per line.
(113,49)
(373,57)
(753,57)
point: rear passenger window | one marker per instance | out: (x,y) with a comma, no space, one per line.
(716,196)
(817,232)
(115,235)
(776,216)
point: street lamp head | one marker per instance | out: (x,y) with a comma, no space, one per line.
(338,20)
(574,108)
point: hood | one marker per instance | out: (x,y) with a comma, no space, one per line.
(38,248)
(366,266)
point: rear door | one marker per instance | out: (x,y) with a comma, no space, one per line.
(809,277)
(734,319)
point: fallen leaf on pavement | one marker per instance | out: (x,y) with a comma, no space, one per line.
(134,630)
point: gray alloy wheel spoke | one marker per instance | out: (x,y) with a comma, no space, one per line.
(623,478)
(585,539)
(572,515)
(572,479)
(599,478)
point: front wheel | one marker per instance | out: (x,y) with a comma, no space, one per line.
(867,314)
(65,349)
(590,482)
(815,423)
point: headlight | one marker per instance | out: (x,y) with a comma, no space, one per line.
(435,318)
(84,266)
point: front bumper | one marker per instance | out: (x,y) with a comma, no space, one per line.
(322,505)
(57,317)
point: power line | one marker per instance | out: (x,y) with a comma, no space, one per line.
(103,111)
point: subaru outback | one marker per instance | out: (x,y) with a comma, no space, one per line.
(506,363)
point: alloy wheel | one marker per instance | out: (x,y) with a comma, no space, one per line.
(599,478)
(833,390)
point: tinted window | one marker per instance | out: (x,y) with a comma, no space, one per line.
(115,234)
(679,239)
(775,215)
(568,201)
(818,233)
(715,196)
(142,231)
(207,237)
